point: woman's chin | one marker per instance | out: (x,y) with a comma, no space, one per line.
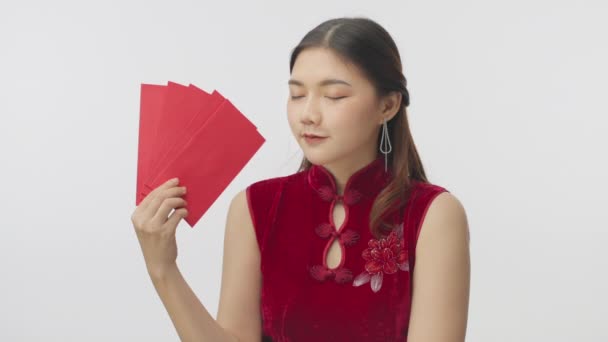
(318,158)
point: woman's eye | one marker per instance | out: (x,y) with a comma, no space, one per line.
(329,97)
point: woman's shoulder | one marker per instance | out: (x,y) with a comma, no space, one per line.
(432,207)
(439,200)
(427,187)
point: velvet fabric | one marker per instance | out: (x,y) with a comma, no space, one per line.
(302,299)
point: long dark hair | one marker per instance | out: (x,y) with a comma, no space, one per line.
(368,45)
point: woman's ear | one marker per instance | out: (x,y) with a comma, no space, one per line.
(390,105)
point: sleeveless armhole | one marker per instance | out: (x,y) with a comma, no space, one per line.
(252,215)
(418,205)
(262,200)
(427,205)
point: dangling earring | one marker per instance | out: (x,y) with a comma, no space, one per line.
(384,142)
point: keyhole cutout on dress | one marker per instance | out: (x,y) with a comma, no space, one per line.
(334,254)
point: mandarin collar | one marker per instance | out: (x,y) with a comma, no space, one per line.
(366,182)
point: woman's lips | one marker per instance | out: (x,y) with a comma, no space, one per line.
(313,139)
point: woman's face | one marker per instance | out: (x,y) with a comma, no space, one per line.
(333,100)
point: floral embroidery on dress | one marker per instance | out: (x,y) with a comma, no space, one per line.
(385,255)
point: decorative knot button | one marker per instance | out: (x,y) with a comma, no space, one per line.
(348,237)
(350,197)
(340,275)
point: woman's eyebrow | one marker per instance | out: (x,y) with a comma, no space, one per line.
(323,83)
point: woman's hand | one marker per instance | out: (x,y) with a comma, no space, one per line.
(156,230)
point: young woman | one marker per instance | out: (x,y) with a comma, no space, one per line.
(357,245)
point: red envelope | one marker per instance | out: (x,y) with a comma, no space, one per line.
(165,128)
(212,158)
(199,137)
(152,100)
(194,111)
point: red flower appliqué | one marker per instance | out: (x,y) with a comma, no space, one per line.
(385,255)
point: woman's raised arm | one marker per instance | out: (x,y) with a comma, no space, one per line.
(238,317)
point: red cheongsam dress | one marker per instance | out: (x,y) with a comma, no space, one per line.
(367,296)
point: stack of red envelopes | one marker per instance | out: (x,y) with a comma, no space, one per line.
(200,138)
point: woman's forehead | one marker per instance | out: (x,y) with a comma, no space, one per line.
(318,67)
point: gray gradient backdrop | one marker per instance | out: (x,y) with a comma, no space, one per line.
(508,110)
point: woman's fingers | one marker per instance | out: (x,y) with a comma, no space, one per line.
(160,197)
(165,208)
(156,232)
(175,217)
(150,205)
(154,193)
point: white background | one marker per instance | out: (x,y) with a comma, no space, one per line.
(508,110)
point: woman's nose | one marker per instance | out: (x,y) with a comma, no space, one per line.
(310,111)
